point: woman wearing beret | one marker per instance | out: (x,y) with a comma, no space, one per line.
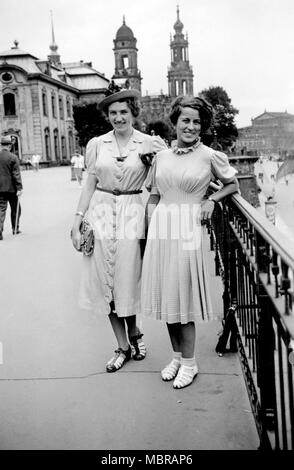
(111,202)
(174,283)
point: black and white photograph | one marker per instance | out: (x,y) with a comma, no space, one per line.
(147,228)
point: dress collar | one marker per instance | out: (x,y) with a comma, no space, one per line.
(136,136)
(184,150)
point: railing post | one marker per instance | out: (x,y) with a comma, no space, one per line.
(265,347)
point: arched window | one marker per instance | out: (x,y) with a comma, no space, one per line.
(44,103)
(53,105)
(61,109)
(63,148)
(47,143)
(70,140)
(56,144)
(9,104)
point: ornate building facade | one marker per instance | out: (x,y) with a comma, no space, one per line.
(270,134)
(37,98)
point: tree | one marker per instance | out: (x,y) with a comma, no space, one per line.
(89,122)
(223,130)
(161,128)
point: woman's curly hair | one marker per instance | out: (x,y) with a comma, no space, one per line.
(195,102)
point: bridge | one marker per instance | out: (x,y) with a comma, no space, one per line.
(55,393)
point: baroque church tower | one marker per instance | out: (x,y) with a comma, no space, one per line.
(180,73)
(125,56)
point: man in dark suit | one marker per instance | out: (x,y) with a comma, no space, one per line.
(10,185)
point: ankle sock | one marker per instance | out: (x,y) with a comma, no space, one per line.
(188,361)
(177,355)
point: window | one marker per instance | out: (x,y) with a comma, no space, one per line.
(68,107)
(9,104)
(44,102)
(125,61)
(53,105)
(70,140)
(6,77)
(47,143)
(63,148)
(56,144)
(61,110)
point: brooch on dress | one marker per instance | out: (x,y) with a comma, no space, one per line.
(146,158)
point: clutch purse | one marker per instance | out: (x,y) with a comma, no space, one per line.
(87,238)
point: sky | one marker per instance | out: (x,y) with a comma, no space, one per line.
(244,46)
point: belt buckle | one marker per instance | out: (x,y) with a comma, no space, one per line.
(116,192)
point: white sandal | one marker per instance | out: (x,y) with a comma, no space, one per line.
(185,376)
(171,370)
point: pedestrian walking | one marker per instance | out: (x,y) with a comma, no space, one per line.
(111,202)
(78,164)
(10,185)
(174,282)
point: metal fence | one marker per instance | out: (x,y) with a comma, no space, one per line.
(256,264)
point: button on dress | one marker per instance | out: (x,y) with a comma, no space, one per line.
(174,277)
(113,271)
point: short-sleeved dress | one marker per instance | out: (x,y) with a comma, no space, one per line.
(113,271)
(174,278)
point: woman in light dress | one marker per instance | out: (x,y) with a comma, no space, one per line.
(112,204)
(174,283)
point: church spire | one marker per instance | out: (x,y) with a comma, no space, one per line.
(180,74)
(53,57)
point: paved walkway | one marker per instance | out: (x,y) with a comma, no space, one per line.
(55,393)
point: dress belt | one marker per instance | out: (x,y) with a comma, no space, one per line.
(117,192)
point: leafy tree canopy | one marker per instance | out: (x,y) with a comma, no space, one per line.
(224,130)
(89,122)
(161,128)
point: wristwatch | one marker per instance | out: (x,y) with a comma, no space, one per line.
(211,199)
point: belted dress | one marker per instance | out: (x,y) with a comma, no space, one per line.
(174,278)
(113,271)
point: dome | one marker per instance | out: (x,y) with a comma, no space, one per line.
(124,33)
(178,26)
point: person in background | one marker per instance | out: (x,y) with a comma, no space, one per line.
(35,161)
(10,185)
(174,279)
(111,202)
(78,163)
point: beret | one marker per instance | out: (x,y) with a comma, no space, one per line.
(118,96)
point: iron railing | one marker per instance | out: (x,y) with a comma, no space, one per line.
(256,264)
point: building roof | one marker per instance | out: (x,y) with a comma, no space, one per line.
(80,75)
(271,114)
(16,52)
(84,77)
